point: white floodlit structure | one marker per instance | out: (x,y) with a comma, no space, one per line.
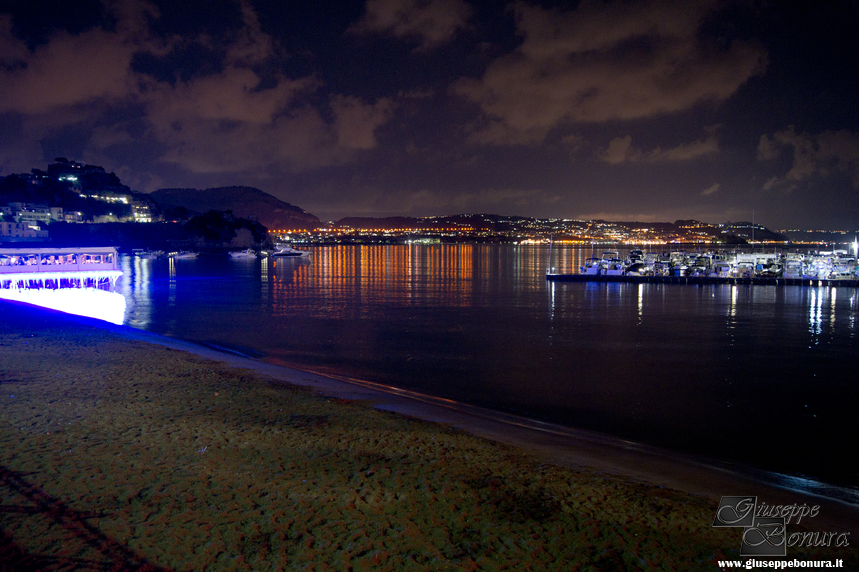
(73,280)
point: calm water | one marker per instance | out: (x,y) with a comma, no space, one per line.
(757,374)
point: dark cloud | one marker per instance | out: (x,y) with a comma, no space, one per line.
(620,61)
(621,150)
(430,23)
(229,121)
(811,156)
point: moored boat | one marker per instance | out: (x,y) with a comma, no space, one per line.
(638,269)
(147,254)
(289,252)
(247,253)
(591,267)
(183,255)
(612,267)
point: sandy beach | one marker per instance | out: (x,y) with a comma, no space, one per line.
(123,451)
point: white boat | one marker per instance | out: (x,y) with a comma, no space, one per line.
(289,252)
(612,267)
(775,270)
(183,255)
(650,259)
(147,254)
(248,253)
(743,269)
(819,268)
(793,266)
(843,271)
(639,269)
(678,268)
(591,267)
(677,263)
(697,270)
(661,268)
(635,255)
(720,269)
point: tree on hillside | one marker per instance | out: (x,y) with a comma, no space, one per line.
(224,228)
(48,192)
(213,226)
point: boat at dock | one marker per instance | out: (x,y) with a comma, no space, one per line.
(591,267)
(712,267)
(851,281)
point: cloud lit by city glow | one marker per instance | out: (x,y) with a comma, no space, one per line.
(653,110)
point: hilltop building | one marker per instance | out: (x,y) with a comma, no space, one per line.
(752,232)
(66,191)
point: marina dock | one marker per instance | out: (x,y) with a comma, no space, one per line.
(704,280)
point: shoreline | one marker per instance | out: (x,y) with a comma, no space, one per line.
(574,446)
(642,472)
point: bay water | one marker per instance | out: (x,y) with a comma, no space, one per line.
(763,376)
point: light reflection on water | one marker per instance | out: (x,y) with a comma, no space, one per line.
(135,286)
(688,367)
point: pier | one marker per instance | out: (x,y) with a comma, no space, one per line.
(703,280)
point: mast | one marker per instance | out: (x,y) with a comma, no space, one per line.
(549,265)
(753,226)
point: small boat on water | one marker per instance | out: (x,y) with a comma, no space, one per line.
(147,254)
(183,255)
(289,252)
(248,253)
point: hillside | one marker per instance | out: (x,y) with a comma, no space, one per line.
(245,202)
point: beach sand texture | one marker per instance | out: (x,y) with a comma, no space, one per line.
(116,454)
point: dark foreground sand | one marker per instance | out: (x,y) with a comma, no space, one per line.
(120,454)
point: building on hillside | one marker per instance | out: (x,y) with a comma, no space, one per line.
(89,182)
(29,213)
(20,232)
(80,176)
(144,211)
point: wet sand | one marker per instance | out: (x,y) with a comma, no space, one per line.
(124,450)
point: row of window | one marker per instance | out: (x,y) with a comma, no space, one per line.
(55,259)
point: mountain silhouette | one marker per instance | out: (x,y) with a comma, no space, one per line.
(244,202)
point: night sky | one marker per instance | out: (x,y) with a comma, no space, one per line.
(648,111)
